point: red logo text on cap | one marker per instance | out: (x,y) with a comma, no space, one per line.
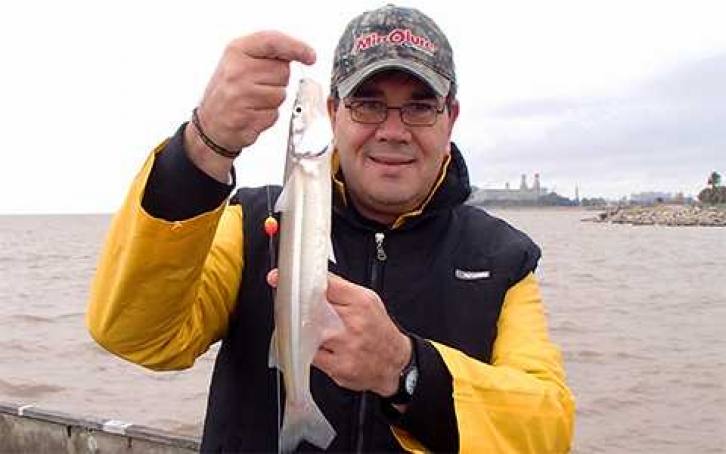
(397,37)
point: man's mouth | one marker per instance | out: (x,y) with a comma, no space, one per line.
(391,160)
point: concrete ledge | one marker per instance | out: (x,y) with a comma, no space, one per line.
(26,428)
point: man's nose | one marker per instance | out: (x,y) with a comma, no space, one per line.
(393,129)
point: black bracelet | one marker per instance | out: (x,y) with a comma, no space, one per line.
(220,150)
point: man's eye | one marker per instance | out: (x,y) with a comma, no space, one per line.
(370,105)
(419,107)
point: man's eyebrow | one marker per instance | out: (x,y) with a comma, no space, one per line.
(368,91)
(423,94)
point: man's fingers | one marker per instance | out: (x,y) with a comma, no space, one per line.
(266,72)
(323,360)
(342,292)
(263,97)
(272,277)
(277,45)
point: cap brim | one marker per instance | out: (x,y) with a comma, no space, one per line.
(439,84)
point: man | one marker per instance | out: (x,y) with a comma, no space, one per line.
(445,347)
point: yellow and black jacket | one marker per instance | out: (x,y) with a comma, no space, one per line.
(182,269)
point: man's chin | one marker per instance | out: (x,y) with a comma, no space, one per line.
(392,205)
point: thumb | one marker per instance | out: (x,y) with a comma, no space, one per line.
(274,44)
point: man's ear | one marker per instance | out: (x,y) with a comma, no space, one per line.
(453,109)
(453,114)
(332,107)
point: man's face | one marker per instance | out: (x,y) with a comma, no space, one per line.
(391,167)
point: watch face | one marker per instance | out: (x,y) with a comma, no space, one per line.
(411,379)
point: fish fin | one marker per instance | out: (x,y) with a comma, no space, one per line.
(281,202)
(305,421)
(331,251)
(285,198)
(273,359)
(328,320)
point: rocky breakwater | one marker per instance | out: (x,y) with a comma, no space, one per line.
(671,215)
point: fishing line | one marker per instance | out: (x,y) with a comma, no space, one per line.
(271,228)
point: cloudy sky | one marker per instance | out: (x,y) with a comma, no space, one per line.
(613,96)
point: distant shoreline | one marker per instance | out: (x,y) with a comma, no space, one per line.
(28,215)
(533,207)
(667,215)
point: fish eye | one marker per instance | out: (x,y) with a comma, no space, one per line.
(298,110)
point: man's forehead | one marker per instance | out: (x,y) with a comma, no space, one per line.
(374,82)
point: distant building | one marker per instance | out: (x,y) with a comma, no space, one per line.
(523,194)
(650,197)
(654,197)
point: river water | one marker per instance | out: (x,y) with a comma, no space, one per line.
(639,312)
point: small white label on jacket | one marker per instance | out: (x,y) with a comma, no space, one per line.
(471,275)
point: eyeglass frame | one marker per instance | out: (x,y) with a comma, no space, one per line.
(438,110)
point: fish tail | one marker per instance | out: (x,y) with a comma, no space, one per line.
(305,421)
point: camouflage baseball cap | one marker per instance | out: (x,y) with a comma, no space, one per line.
(393,37)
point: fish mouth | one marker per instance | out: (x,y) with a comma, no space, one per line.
(311,154)
(312,140)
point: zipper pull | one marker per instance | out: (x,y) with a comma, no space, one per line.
(380,252)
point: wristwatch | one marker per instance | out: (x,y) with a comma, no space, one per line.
(406,381)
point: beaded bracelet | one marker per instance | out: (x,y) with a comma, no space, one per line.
(220,150)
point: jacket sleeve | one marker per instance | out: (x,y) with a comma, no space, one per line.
(520,402)
(163,290)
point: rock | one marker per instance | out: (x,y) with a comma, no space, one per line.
(670,215)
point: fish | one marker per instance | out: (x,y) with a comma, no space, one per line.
(304,318)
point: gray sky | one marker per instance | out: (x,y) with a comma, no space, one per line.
(614,96)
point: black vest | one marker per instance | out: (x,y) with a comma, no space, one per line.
(444,278)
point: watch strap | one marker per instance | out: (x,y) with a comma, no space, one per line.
(402,396)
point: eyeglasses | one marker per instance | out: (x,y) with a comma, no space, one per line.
(373,112)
